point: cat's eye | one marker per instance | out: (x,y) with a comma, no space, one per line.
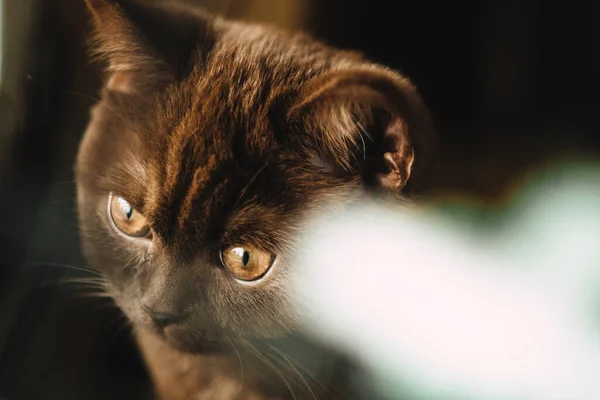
(126,219)
(247,263)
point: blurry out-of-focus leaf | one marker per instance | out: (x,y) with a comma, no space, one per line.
(465,303)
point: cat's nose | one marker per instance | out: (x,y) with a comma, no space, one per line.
(161,319)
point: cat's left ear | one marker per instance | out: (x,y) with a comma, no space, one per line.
(145,44)
(366,120)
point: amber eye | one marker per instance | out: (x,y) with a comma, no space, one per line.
(126,218)
(247,262)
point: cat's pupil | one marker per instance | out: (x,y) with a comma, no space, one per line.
(246,258)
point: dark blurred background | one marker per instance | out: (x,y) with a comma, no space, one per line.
(513,86)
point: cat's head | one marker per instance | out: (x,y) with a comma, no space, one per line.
(212,144)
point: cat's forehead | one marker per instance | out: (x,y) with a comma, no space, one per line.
(227,108)
(212,140)
(248,67)
(234,95)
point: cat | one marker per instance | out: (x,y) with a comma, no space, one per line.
(213,142)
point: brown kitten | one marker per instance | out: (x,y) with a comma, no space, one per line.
(213,142)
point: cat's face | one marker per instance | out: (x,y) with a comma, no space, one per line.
(212,145)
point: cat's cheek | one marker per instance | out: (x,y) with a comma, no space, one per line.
(280,312)
(132,313)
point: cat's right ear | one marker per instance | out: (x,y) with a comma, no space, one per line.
(368,121)
(145,46)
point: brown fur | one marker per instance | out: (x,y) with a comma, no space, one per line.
(211,129)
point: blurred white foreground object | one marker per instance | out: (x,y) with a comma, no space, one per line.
(450,309)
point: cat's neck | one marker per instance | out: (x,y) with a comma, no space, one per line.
(181,376)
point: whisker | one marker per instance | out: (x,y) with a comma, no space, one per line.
(98,280)
(72,92)
(264,359)
(76,283)
(84,95)
(294,369)
(125,324)
(309,374)
(91,291)
(94,296)
(66,266)
(240,360)
(87,96)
